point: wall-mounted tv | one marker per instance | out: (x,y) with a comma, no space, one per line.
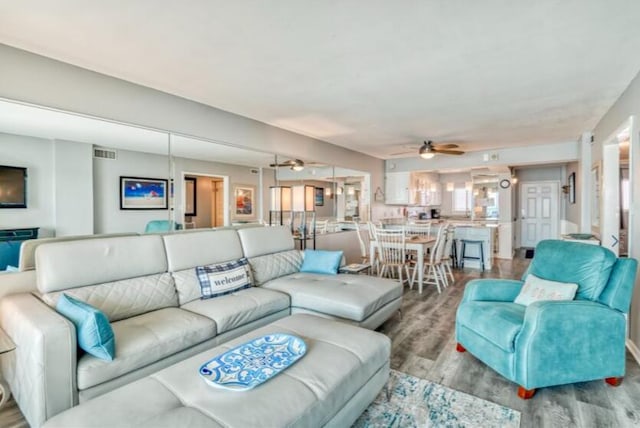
(13,187)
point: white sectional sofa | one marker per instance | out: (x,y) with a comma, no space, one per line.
(148,288)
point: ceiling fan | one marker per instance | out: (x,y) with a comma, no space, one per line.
(429,150)
(294,164)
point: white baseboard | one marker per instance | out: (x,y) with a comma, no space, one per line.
(633,349)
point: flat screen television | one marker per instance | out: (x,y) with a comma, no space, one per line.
(13,187)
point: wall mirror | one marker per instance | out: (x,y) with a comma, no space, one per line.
(485,196)
(85,175)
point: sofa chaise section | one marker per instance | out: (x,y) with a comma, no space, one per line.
(363,300)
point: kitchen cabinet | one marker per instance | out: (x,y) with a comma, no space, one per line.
(405,188)
(396,188)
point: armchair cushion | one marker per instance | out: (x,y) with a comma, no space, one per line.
(489,289)
(589,266)
(537,289)
(497,322)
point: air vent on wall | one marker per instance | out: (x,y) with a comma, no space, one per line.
(102,153)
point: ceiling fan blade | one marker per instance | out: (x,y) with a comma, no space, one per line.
(446,146)
(448,152)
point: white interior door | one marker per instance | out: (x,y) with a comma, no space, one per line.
(539,212)
(610,200)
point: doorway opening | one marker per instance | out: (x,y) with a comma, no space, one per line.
(205,201)
(616,224)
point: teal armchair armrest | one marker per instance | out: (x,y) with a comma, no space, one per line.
(492,290)
(569,341)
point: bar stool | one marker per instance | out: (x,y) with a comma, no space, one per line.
(466,257)
(454,253)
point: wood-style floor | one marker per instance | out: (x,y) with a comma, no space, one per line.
(424,346)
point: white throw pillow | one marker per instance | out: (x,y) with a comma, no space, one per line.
(536,289)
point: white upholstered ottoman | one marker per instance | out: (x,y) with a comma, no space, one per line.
(345,367)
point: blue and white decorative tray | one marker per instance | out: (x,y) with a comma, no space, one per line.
(252,363)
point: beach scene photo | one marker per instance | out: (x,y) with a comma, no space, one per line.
(143,193)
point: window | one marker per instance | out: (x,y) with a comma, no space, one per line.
(460,201)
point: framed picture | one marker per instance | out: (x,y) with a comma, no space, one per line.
(141,193)
(190,198)
(319,196)
(572,188)
(244,205)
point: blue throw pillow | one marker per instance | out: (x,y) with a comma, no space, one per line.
(94,332)
(319,261)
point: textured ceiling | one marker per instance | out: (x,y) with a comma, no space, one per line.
(373,76)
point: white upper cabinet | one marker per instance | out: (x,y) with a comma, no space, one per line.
(412,188)
(397,188)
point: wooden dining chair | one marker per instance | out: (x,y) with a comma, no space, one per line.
(432,272)
(446,261)
(392,252)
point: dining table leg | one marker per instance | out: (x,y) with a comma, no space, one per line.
(420,267)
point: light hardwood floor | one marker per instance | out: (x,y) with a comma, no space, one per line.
(424,346)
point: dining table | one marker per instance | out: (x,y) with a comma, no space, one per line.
(418,243)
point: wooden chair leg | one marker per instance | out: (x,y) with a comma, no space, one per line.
(525,394)
(614,381)
(460,348)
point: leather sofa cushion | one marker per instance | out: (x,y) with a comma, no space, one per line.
(188,250)
(498,322)
(589,266)
(239,308)
(271,266)
(354,297)
(258,241)
(143,340)
(126,298)
(64,265)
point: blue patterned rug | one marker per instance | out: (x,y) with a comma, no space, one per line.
(415,402)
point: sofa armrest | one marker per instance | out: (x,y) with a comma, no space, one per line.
(41,371)
(562,341)
(492,290)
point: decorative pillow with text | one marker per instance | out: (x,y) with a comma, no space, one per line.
(223,278)
(536,289)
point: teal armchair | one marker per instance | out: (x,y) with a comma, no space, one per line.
(552,342)
(155,226)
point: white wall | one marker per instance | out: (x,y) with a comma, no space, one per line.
(35,154)
(627,105)
(73,188)
(35,79)
(541,154)
(109,218)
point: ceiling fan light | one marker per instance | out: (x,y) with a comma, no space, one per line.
(298,165)
(427,155)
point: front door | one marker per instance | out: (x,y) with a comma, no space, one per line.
(539,212)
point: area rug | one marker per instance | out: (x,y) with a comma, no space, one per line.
(415,402)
